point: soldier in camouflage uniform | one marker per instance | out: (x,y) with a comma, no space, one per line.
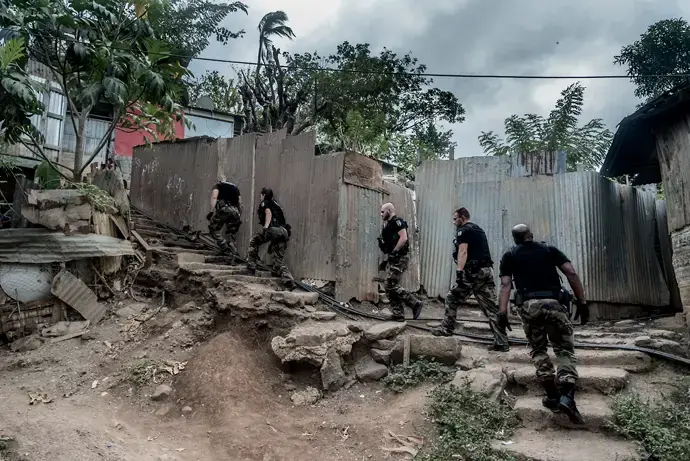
(226,210)
(275,231)
(395,245)
(474,275)
(541,301)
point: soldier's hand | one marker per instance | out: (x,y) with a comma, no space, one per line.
(582,312)
(503,321)
(383,265)
(209,215)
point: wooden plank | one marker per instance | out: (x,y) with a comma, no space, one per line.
(146,247)
(70,336)
(76,294)
(362,171)
(406,351)
(121,225)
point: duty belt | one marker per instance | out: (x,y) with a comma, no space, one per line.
(472,265)
(540,295)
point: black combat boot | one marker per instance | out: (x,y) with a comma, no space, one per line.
(499,348)
(553,397)
(417,309)
(567,404)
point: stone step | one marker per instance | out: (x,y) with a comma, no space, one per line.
(592,378)
(481,328)
(595,410)
(292,299)
(565,445)
(250,282)
(631,361)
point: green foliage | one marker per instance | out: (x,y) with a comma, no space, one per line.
(663,428)
(188,25)
(587,144)
(101,52)
(100,199)
(18,94)
(417,372)
(663,49)
(468,422)
(48,176)
(141,372)
(220,89)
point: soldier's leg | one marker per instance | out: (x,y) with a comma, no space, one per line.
(215,225)
(484,289)
(232,226)
(255,242)
(535,331)
(459,293)
(393,290)
(405,296)
(279,237)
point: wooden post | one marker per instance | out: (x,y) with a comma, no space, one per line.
(20,188)
(406,351)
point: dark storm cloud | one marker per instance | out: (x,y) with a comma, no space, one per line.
(495,37)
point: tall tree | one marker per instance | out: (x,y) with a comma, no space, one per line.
(663,49)
(220,89)
(188,25)
(99,52)
(272,25)
(586,144)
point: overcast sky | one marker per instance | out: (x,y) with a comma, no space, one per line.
(476,36)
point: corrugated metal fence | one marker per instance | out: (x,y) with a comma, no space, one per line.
(607,229)
(335,220)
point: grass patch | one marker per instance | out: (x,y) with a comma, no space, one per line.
(419,371)
(468,423)
(663,427)
(141,372)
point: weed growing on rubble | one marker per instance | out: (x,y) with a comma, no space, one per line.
(417,372)
(141,372)
(663,428)
(468,422)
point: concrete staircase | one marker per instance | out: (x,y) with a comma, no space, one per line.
(548,436)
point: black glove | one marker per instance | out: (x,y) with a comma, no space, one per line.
(503,323)
(458,277)
(582,312)
(383,265)
(209,215)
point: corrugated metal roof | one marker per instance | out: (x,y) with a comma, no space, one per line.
(40,246)
(77,295)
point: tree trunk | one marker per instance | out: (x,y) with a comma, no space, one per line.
(79,150)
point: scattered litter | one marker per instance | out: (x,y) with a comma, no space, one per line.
(269,425)
(36,397)
(68,395)
(179,449)
(174,367)
(507,442)
(410,445)
(103,394)
(94,384)
(151,439)
(345,435)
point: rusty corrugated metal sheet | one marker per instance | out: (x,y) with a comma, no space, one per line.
(77,295)
(401,198)
(236,163)
(172,182)
(606,229)
(359,224)
(40,246)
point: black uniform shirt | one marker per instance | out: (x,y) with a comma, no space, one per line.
(390,235)
(277,216)
(532,265)
(477,245)
(228,192)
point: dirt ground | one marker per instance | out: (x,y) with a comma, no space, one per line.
(232,390)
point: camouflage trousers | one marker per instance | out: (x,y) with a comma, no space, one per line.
(397,295)
(480,283)
(277,237)
(228,216)
(546,321)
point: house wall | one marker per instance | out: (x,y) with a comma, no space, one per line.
(126,141)
(607,229)
(673,152)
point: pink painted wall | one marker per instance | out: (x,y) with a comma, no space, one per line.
(126,141)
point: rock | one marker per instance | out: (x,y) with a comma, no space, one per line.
(381,356)
(489,381)
(385,330)
(161,393)
(289,387)
(186,410)
(332,374)
(26,344)
(443,349)
(131,310)
(467,363)
(310,309)
(165,409)
(664,345)
(177,324)
(666,334)
(310,342)
(63,328)
(386,344)
(324,316)
(309,396)
(188,307)
(295,299)
(355,327)
(626,325)
(368,370)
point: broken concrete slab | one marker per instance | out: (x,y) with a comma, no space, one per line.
(385,330)
(386,344)
(442,349)
(489,381)
(131,310)
(162,392)
(664,345)
(183,258)
(324,316)
(381,356)
(332,374)
(367,369)
(310,342)
(63,328)
(294,299)
(309,396)
(606,380)
(595,410)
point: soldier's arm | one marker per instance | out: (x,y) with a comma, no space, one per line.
(402,240)
(504,293)
(268,218)
(214,198)
(462,256)
(574,281)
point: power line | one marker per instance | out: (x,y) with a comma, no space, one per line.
(420,74)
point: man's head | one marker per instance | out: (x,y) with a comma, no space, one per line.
(110,164)
(461,217)
(387,211)
(522,234)
(266,193)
